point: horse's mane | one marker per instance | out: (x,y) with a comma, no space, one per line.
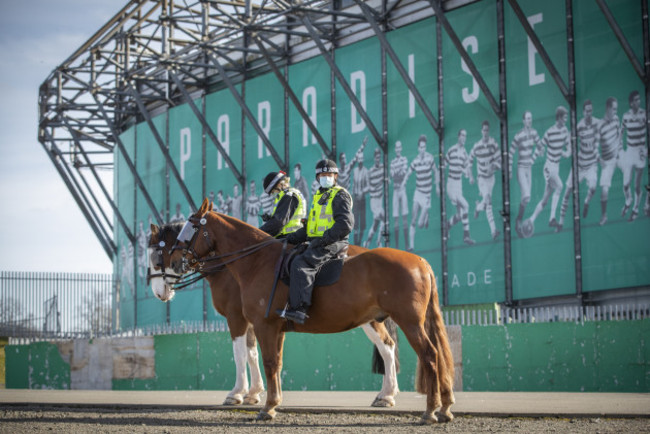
(170,229)
(237,222)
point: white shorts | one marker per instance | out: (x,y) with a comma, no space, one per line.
(455,190)
(552,175)
(590,175)
(485,186)
(607,171)
(400,202)
(423,200)
(377,207)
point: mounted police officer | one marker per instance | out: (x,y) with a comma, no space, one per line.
(289,207)
(329,223)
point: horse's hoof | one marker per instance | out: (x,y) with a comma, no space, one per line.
(429,418)
(445,416)
(231,400)
(251,400)
(264,416)
(383,402)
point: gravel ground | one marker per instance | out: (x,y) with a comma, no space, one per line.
(35,419)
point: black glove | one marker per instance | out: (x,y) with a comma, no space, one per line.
(316,242)
(266,217)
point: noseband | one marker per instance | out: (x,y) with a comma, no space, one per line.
(160,263)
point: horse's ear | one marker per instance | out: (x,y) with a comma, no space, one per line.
(205,206)
(154,231)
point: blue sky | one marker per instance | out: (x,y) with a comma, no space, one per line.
(41,229)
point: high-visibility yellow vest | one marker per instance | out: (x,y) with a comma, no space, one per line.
(321,217)
(295,222)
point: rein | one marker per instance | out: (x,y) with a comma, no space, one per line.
(204,268)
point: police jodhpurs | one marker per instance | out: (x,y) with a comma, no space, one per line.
(304,269)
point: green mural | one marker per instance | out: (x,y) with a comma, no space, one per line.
(361,67)
(614,223)
(542,236)
(473,160)
(414,157)
(310,82)
(611,140)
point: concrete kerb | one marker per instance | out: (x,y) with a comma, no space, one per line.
(494,404)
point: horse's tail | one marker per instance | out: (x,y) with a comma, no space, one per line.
(437,332)
(377,361)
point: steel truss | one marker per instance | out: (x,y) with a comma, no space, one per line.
(157,54)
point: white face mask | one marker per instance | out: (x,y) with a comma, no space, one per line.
(326,181)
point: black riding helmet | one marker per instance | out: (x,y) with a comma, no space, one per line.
(272,179)
(326,166)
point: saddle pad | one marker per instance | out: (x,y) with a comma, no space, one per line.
(327,275)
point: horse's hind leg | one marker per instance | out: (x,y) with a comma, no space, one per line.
(446,376)
(379,336)
(257,385)
(428,369)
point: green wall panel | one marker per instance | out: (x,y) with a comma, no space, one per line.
(36,366)
(588,357)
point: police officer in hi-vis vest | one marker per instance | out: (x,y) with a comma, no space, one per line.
(289,207)
(329,223)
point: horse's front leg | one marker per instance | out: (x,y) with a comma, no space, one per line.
(271,340)
(236,395)
(257,384)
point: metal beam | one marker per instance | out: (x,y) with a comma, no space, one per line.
(116,211)
(206,127)
(339,76)
(161,145)
(129,163)
(575,179)
(541,50)
(622,40)
(294,99)
(505,155)
(398,65)
(247,112)
(76,195)
(440,14)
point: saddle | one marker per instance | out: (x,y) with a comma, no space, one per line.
(329,273)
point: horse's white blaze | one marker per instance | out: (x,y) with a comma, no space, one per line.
(389,386)
(241,380)
(159,285)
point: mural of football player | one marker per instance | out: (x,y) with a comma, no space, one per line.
(142,242)
(253,206)
(300,183)
(488,160)
(178,217)
(376,180)
(398,170)
(609,131)
(557,143)
(633,126)
(524,143)
(588,156)
(235,202)
(426,173)
(457,161)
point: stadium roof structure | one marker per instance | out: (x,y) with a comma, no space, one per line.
(157,54)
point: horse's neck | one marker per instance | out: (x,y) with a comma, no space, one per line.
(233,235)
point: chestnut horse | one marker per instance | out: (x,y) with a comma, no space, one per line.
(226,298)
(373,285)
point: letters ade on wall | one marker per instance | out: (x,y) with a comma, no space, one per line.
(469,159)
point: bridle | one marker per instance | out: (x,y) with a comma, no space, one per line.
(212,262)
(161,264)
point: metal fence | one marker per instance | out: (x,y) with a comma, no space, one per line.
(56,305)
(35,306)
(504,315)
